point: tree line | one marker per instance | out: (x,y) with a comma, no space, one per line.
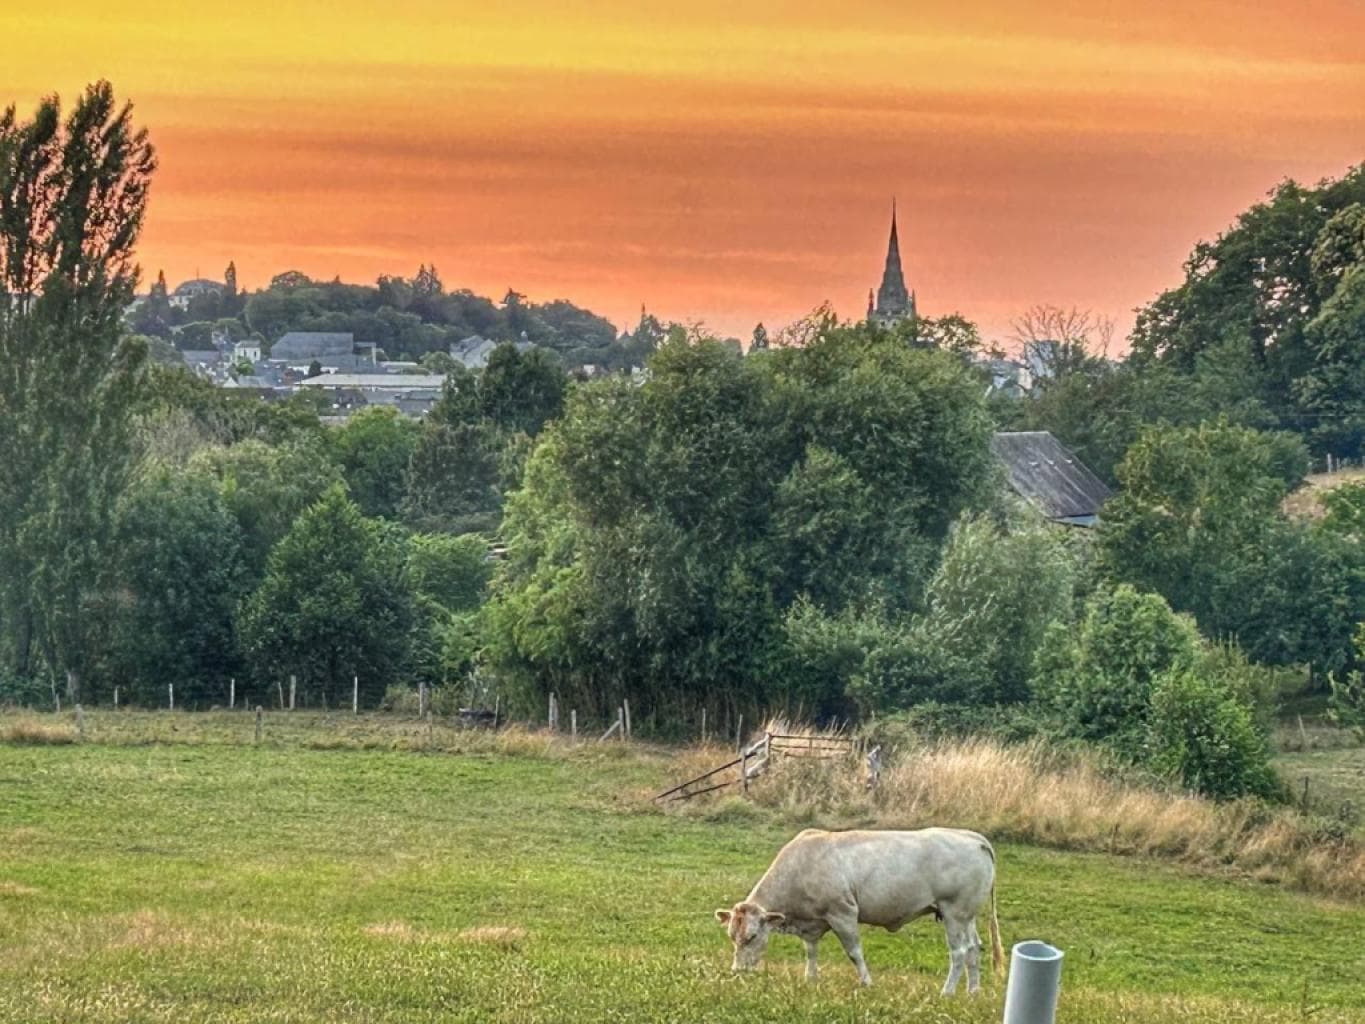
(816,526)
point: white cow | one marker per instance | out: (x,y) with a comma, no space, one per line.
(833,881)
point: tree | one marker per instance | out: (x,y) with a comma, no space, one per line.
(448,576)
(72,197)
(521,391)
(1099,674)
(373,449)
(1056,342)
(178,579)
(266,487)
(992,599)
(759,343)
(290,279)
(1201,735)
(664,530)
(333,604)
(230,280)
(315,369)
(1276,286)
(1198,520)
(455,477)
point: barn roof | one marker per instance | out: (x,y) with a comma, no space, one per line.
(1042,470)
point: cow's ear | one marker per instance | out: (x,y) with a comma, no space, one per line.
(723,916)
(774,918)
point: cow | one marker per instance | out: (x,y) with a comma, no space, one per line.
(834,881)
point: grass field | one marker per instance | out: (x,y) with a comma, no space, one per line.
(216,880)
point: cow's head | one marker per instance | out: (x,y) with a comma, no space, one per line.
(749,926)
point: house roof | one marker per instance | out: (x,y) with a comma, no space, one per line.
(313,344)
(381,381)
(205,356)
(1043,471)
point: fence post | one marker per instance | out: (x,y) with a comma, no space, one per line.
(293,688)
(258,723)
(279,687)
(80,722)
(170,690)
(621,724)
(552,714)
(115,698)
(573,724)
(744,769)
(703,727)
(355,695)
(422,699)
(232,693)
(739,735)
(874,766)
(497,706)
(625,705)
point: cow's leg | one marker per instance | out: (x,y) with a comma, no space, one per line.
(847,930)
(973,958)
(812,951)
(958,942)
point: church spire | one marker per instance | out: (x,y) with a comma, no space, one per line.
(893,299)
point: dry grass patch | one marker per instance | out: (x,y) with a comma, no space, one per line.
(501,936)
(148,929)
(8,888)
(34,733)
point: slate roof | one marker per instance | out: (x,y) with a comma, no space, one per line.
(378,381)
(297,345)
(1043,471)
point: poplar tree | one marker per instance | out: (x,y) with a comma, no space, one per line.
(73,193)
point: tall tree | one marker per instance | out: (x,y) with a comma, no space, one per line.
(180,575)
(73,193)
(333,604)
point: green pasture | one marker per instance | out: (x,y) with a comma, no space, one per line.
(218,880)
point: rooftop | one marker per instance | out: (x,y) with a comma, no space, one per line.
(1042,470)
(378,381)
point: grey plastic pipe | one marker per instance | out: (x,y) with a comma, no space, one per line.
(1035,979)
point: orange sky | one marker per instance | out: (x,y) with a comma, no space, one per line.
(727,162)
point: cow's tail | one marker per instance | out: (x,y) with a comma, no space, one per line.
(997,950)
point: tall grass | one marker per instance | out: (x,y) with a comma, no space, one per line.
(1067,800)
(28,731)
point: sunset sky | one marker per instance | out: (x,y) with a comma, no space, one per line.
(727,162)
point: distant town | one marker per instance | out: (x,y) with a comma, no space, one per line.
(395,343)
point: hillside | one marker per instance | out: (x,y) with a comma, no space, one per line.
(334,873)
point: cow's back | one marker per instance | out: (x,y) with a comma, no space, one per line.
(889,876)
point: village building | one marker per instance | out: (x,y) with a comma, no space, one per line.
(1042,471)
(337,351)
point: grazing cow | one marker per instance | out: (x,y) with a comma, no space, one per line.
(833,881)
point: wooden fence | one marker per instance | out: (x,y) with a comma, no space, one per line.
(756,758)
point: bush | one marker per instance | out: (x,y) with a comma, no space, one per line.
(1202,735)
(1099,676)
(24,691)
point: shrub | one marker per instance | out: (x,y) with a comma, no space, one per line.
(1098,676)
(23,691)
(1202,735)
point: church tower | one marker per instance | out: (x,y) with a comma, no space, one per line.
(894,303)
